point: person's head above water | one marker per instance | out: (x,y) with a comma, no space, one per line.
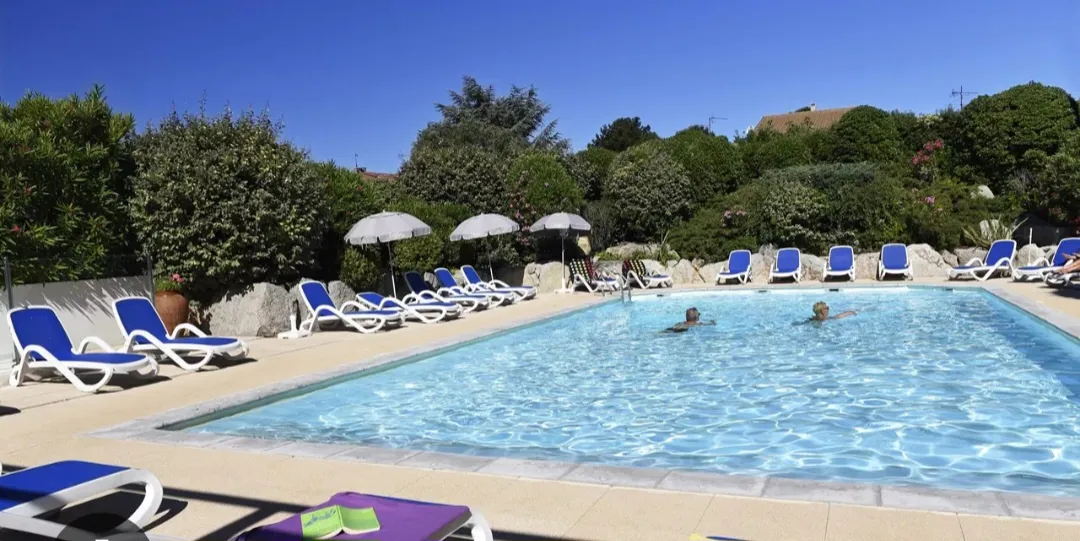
(692,314)
(821,310)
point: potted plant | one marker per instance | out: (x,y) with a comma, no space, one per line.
(169,301)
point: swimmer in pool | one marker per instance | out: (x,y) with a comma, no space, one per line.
(693,319)
(821,313)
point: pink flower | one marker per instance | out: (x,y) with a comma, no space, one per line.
(740,213)
(930,200)
(176,278)
(16,229)
(727,214)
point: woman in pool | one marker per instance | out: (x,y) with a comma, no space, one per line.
(821,313)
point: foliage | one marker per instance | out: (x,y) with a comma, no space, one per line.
(435,250)
(171,282)
(712,233)
(996,228)
(467,175)
(605,230)
(1010,131)
(865,134)
(712,163)
(914,130)
(649,191)
(1053,191)
(623,133)
(546,185)
(765,149)
(786,212)
(63,186)
(589,168)
(938,214)
(222,201)
(361,268)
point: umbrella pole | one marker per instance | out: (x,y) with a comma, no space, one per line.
(390,256)
(562,260)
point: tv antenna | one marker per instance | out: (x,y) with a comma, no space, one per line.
(712,118)
(961,93)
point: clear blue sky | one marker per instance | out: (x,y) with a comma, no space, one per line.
(362,76)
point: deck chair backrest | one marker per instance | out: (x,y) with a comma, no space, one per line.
(416,282)
(1000,249)
(578,267)
(788,260)
(635,265)
(371,297)
(738,261)
(39,326)
(445,278)
(1065,248)
(316,297)
(471,276)
(841,258)
(138,314)
(894,256)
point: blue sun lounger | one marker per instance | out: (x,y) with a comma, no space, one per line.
(841,263)
(422,311)
(738,267)
(449,284)
(998,258)
(28,496)
(1042,266)
(473,282)
(351,313)
(42,342)
(422,292)
(894,261)
(788,265)
(142,326)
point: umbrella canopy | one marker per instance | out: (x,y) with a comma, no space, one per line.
(484,225)
(563,221)
(386,227)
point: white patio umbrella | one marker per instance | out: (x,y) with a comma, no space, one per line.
(564,223)
(482,226)
(386,227)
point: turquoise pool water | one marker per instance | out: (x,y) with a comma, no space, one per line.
(955,389)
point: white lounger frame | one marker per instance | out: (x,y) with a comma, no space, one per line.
(604,283)
(177,351)
(497,298)
(26,363)
(906,272)
(742,277)
(24,517)
(339,315)
(435,313)
(1020,275)
(648,281)
(988,270)
(827,272)
(796,274)
(468,304)
(523,293)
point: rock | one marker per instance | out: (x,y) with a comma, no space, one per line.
(1028,254)
(963,255)
(1048,252)
(982,191)
(760,265)
(768,250)
(710,271)
(340,292)
(545,277)
(950,258)
(866,266)
(812,267)
(684,273)
(633,250)
(927,262)
(262,310)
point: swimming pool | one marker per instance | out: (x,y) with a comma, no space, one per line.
(925,386)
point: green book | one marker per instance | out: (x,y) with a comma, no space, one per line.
(335,520)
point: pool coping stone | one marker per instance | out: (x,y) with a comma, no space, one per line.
(993,503)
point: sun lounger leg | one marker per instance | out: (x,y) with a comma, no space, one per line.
(479,528)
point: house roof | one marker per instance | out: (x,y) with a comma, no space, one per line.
(372,175)
(821,118)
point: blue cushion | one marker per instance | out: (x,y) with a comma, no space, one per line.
(445,278)
(32,483)
(1000,249)
(41,327)
(738,262)
(1034,267)
(894,257)
(138,314)
(967,267)
(102,357)
(787,260)
(416,282)
(841,258)
(212,341)
(316,295)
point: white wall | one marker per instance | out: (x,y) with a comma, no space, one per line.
(85,308)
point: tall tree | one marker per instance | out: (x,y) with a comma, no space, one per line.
(622,134)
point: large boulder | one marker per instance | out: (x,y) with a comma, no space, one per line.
(684,273)
(812,267)
(927,262)
(866,266)
(545,277)
(710,271)
(340,292)
(1049,251)
(628,250)
(963,255)
(760,265)
(982,191)
(653,266)
(1028,255)
(261,310)
(950,258)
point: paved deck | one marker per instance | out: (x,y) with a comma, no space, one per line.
(214,492)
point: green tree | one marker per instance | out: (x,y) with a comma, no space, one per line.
(914,130)
(464,174)
(865,134)
(649,191)
(765,149)
(224,202)
(1012,130)
(1053,191)
(623,133)
(712,163)
(589,168)
(64,170)
(546,185)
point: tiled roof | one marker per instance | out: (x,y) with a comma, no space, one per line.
(822,118)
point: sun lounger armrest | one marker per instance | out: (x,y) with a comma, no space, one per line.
(355,306)
(189,328)
(97,342)
(500,284)
(33,349)
(1042,261)
(447,291)
(974,261)
(390,303)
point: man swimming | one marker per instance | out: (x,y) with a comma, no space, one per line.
(821,313)
(693,319)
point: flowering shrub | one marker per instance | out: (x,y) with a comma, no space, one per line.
(924,163)
(173,282)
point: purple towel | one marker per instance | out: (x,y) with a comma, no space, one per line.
(400,520)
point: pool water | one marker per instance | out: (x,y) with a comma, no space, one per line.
(954,389)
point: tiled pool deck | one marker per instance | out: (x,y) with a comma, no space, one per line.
(223,484)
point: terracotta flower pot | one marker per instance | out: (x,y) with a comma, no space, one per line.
(172,307)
